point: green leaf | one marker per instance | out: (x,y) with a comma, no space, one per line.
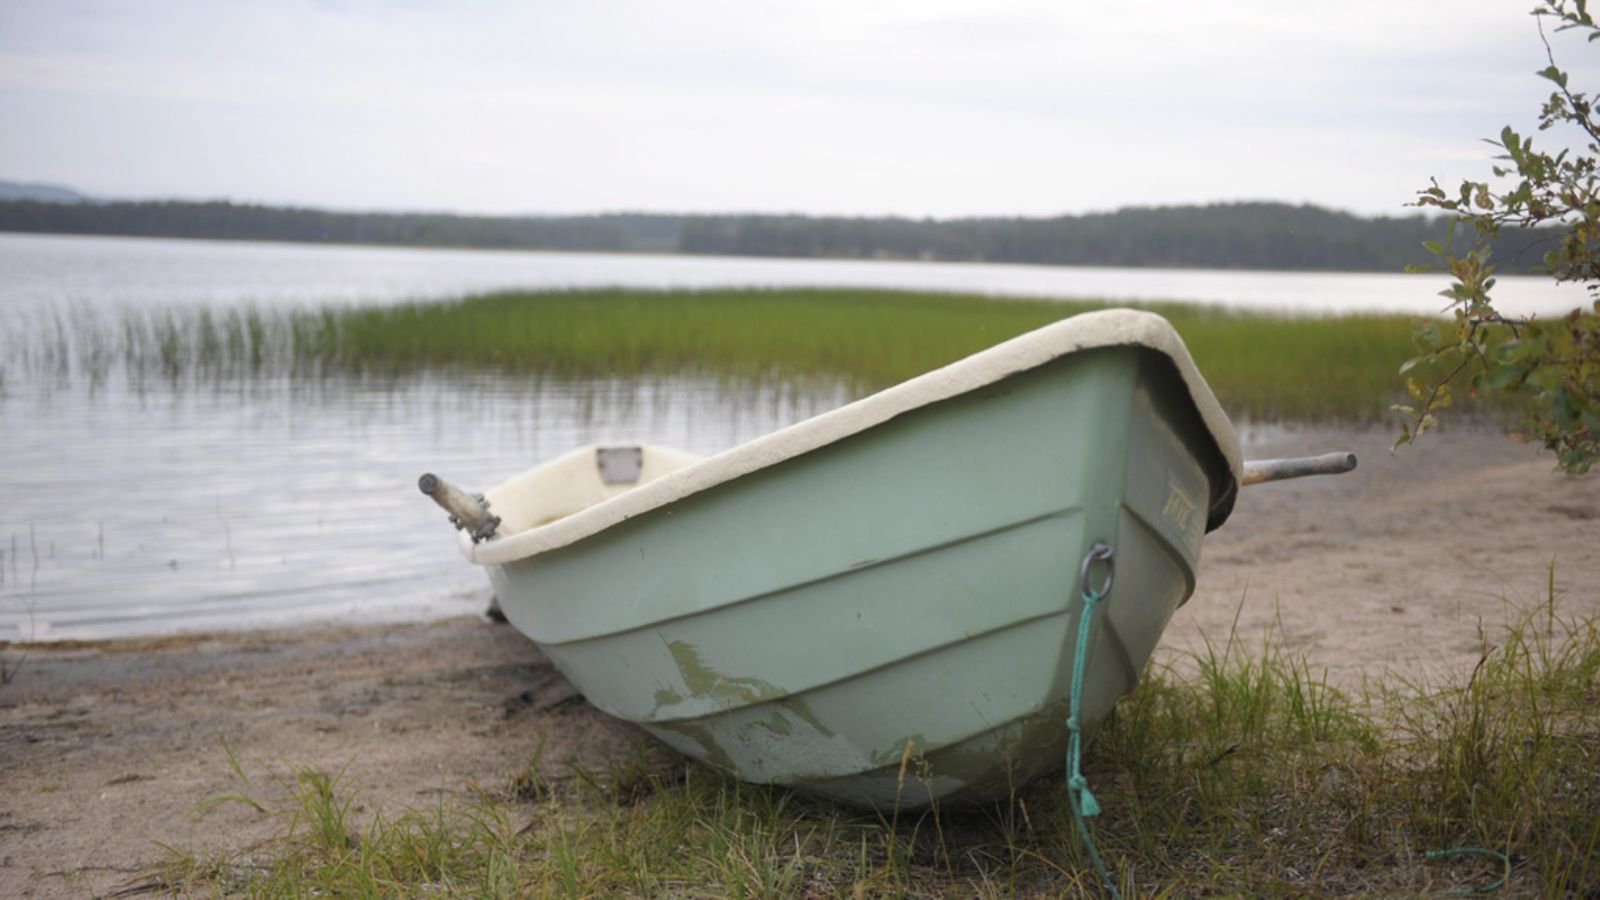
(1502,377)
(1428,332)
(1577,460)
(1551,73)
(1404,438)
(1433,247)
(1564,409)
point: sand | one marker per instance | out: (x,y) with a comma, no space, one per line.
(1394,567)
(106,749)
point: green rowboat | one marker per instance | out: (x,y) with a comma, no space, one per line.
(880,605)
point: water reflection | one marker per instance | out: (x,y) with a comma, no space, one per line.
(242,502)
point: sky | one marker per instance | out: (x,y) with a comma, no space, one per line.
(851,107)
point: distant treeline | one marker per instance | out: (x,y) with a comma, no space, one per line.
(1227,236)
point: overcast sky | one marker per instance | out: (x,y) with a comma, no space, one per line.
(855,107)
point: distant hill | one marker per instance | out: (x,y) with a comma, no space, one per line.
(1226,235)
(44,193)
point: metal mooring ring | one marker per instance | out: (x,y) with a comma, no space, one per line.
(1100,552)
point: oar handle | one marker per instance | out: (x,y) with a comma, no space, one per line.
(1257,471)
(468,512)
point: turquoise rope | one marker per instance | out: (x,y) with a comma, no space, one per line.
(1486,853)
(1082,799)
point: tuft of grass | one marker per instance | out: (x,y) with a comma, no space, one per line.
(1236,772)
(530,784)
(319,849)
(1242,777)
(1510,760)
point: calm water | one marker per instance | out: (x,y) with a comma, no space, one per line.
(39,271)
(249,504)
(134,509)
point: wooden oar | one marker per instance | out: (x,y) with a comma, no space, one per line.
(1257,471)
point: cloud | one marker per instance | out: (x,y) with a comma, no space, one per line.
(931,107)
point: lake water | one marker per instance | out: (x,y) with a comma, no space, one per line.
(247,504)
(43,271)
(135,509)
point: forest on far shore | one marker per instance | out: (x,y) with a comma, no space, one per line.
(1220,236)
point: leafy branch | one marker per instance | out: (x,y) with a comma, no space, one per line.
(1554,364)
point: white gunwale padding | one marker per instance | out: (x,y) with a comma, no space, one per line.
(1088,331)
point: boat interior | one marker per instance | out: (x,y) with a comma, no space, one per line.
(578,480)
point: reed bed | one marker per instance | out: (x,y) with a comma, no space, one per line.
(1261,366)
(1250,776)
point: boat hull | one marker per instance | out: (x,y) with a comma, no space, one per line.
(889,620)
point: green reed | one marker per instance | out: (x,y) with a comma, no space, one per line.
(1261,366)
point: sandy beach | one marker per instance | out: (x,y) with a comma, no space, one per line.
(1394,566)
(107,749)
